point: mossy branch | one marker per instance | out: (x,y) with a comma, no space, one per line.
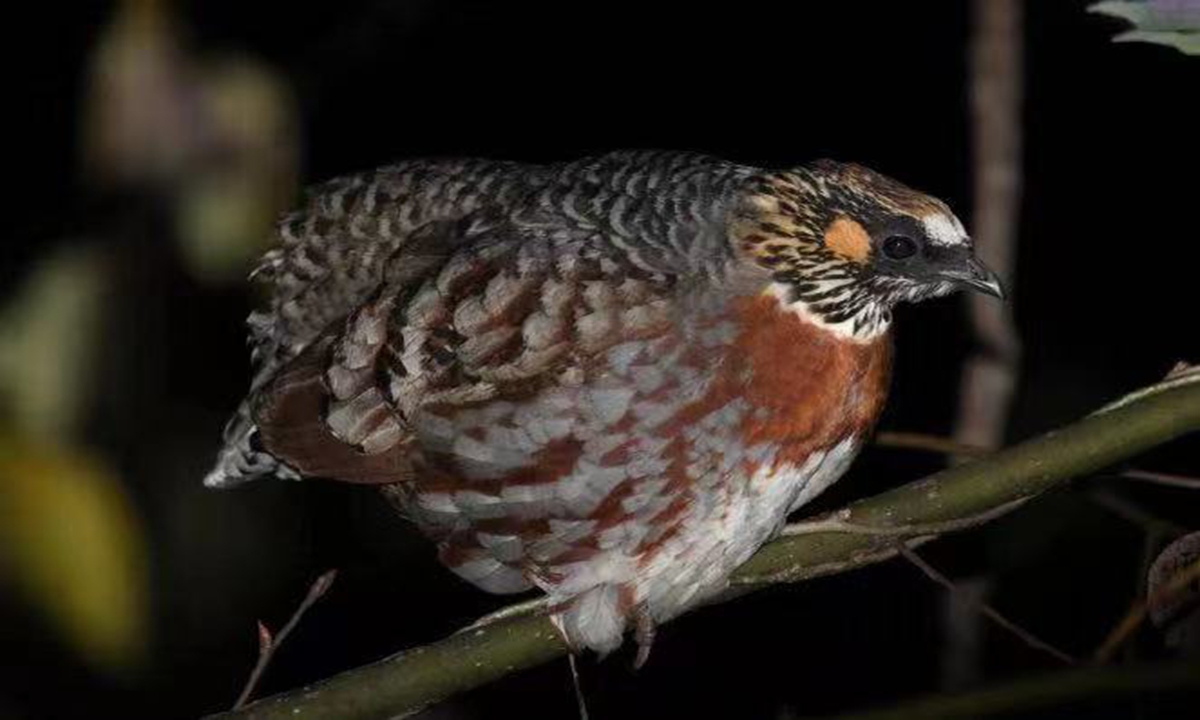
(861,534)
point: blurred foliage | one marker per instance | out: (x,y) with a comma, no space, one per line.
(212,135)
(226,208)
(141,120)
(69,539)
(49,337)
(1174,23)
(211,139)
(71,544)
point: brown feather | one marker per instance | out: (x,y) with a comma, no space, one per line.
(290,416)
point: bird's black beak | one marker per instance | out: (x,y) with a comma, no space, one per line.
(971,273)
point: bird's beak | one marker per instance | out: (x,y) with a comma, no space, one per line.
(975,275)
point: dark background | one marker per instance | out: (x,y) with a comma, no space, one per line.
(1105,299)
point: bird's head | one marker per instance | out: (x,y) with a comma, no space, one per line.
(844,244)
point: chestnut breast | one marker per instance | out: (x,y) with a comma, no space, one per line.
(810,387)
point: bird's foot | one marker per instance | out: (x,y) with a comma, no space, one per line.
(643,634)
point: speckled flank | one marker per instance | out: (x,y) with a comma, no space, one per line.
(639,488)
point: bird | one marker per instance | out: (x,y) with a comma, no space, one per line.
(609,379)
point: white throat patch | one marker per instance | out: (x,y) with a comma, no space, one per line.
(878,324)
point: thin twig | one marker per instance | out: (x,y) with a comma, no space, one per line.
(268,645)
(1138,611)
(526,607)
(1181,375)
(932,443)
(1158,478)
(1131,512)
(839,522)
(581,703)
(991,612)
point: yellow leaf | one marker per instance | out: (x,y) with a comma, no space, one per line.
(74,547)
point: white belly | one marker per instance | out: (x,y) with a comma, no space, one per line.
(696,563)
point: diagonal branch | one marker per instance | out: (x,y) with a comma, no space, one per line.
(1087,683)
(414,679)
(986,610)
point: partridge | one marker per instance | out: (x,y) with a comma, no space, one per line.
(609,379)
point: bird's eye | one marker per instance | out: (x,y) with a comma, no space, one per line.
(899,247)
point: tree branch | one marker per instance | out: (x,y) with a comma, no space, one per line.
(411,680)
(990,373)
(1050,690)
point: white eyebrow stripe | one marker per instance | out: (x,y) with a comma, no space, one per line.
(944,229)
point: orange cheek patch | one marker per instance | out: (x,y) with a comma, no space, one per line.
(848,239)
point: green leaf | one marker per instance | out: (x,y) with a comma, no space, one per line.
(1174,24)
(49,335)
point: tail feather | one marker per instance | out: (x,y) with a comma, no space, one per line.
(242,458)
